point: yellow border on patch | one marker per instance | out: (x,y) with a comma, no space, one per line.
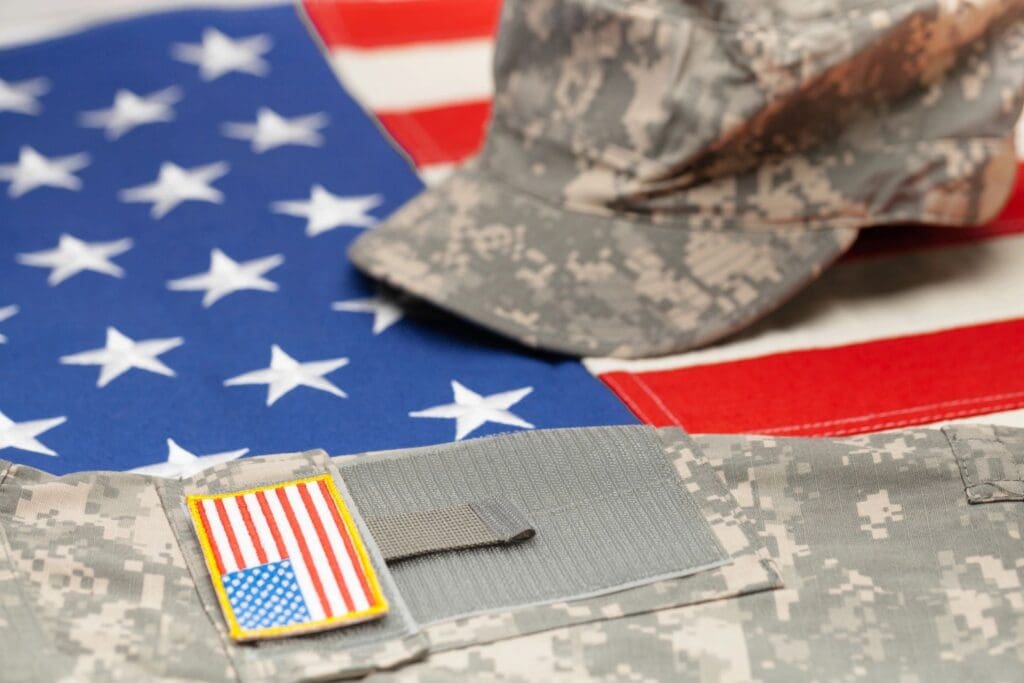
(236,632)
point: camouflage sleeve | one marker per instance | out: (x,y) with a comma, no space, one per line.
(100,580)
(93,584)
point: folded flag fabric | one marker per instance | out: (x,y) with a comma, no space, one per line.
(914,326)
(176,196)
(422,67)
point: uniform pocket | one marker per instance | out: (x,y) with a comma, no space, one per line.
(287,570)
(991,461)
(488,539)
(627,520)
(114,576)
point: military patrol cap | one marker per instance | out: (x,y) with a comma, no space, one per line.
(660,174)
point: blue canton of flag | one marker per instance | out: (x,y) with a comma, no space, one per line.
(266,596)
(178,194)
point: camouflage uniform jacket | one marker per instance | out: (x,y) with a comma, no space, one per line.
(895,556)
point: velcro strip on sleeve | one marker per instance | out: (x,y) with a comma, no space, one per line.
(459,527)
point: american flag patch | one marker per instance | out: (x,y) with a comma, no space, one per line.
(286,559)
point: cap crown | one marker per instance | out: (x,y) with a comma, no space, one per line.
(724,113)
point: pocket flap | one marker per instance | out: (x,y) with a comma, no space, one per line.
(991,460)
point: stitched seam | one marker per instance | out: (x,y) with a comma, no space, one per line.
(657,400)
(627,398)
(976,402)
(922,419)
(653,485)
(1000,483)
(965,471)
(965,474)
(978,491)
(1006,448)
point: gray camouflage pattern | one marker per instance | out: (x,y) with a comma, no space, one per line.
(991,460)
(659,174)
(104,570)
(94,585)
(869,558)
(891,572)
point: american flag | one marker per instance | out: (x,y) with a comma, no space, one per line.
(240,328)
(177,192)
(913,327)
(286,559)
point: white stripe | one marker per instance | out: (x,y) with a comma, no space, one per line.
(417,76)
(432,174)
(220,539)
(1020,138)
(317,552)
(1009,418)
(876,298)
(345,561)
(245,544)
(262,530)
(316,610)
(26,22)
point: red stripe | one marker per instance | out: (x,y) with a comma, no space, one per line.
(304,551)
(229,532)
(439,135)
(201,509)
(274,531)
(841,390)
(243,509)
(372,23)
(643,403)
(349,547)
(325,543)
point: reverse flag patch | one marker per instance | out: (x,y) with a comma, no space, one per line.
(286,559)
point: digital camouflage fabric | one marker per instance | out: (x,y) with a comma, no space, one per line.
(660,174)
(891,573)
(894,556)
(103,573)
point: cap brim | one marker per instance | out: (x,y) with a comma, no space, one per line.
(584,284)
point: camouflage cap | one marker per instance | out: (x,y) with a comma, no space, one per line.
(659,174)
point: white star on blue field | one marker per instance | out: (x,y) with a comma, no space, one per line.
(174,291)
